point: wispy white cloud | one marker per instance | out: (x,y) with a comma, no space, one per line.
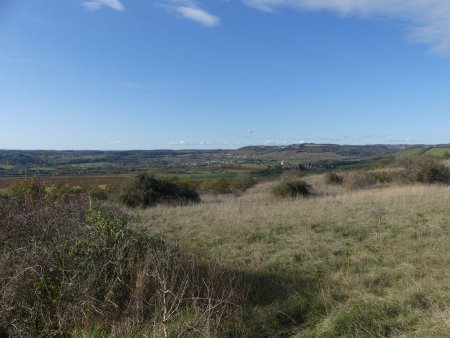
(98,4)
(198,15)
(112,142)
(192,10)
(428,20)
(179,143)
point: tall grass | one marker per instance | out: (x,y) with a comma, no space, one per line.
(351,261)
(367,262)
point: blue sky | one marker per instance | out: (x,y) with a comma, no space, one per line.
(143,74)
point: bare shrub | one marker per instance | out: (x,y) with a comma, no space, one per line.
(67,265)
(360,179)
(333,178)
(241,184)
(292,188)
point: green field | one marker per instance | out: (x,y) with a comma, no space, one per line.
(411,152)
(418,151)
(440,152)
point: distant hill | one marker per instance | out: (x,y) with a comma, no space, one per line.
(311,152)
(25,162)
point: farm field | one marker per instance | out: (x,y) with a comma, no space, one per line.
(411,152)
(438,152)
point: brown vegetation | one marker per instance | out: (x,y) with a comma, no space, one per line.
(365,258)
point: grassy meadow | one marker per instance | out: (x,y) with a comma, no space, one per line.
(364,253)
(371,262)
(444,151)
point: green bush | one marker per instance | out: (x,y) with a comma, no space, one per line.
(144,190)
(27,191)
(333,178)
(241,184)
(292,188)
(425,170)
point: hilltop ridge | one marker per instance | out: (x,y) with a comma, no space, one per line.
(24,162)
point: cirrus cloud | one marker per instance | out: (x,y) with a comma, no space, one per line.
(198,15)
(191,10)
(428,20)
(98,4)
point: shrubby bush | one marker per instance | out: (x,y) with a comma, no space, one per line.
(359,179)
(422,169)
(226,186)
(93,192)
(145,190)
(292,189)
(242,183)
(333,178)
(216,187)
(425,170)
(70,267)
(28,191)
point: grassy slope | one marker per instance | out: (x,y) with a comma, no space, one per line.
(364,263)
(438,151)
(411,152)
(417,151)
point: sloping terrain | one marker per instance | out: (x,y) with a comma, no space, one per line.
(365,263)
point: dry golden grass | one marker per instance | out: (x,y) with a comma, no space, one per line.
(378,258)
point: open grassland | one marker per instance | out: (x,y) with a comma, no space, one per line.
(360,263)
(363,253)
(410,152)
(438,152)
